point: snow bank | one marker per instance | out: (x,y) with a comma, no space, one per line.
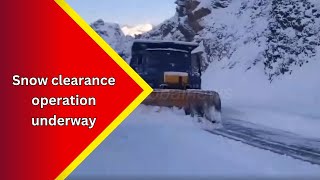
(290,103)
(164,144)
(299,90)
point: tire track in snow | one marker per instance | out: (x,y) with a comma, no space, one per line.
(277,141)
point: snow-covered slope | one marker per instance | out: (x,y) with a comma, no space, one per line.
(263,41)
(257,52)
(113,35)
(282,35)
(136,30)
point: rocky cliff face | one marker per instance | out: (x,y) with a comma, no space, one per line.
(183,26)
(293,36)
(276,36)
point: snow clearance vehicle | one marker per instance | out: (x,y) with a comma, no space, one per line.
(174,72)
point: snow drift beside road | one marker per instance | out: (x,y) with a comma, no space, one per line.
(290,103)
(298,91)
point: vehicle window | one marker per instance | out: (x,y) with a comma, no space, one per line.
(139,59)
(171,60)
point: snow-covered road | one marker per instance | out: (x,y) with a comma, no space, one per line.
(275,140)
(169,143)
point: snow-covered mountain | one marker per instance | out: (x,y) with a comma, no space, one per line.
(112,33)
(136,30)
(251,47)
(267,51)
(284,34)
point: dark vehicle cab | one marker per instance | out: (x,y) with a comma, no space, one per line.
(167,65)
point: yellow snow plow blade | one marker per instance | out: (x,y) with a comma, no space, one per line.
(202,103)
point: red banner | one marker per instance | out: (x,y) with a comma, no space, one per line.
(47,39)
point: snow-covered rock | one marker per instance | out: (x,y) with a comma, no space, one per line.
(113,35)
